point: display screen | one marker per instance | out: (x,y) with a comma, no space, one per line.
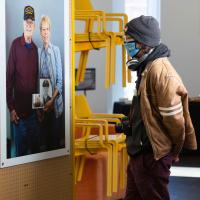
(89,82)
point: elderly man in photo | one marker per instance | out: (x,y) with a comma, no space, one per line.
(21,83)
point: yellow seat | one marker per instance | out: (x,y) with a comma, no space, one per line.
(79,164)
(91,144)
(85,115)
(83,110)
(91,39)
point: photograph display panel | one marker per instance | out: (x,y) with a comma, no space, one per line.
(35,108)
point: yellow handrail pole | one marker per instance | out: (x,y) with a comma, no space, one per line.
(107,67)
(123,67)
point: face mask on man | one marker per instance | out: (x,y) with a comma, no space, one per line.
(131,48)
(134,63)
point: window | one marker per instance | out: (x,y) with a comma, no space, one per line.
(135,8)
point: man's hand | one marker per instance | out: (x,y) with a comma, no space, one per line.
(14,117)
(48,105)
(176,159)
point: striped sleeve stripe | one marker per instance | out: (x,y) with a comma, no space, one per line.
(171,113)
(170,108)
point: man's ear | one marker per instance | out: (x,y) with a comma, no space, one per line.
(146,49)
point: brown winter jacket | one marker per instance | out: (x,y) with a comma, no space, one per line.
(164,109)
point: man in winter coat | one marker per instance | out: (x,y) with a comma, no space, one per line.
(159,116)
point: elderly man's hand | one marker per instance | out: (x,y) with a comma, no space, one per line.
(176,159)
(14,117)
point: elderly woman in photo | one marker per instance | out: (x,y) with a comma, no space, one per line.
(50,67)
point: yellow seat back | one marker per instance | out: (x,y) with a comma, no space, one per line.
(83,5)
(82,107)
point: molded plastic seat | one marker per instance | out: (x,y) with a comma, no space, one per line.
(101,139)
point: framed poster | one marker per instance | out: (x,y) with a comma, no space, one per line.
(35,80)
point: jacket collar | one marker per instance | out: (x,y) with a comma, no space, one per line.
(49,49)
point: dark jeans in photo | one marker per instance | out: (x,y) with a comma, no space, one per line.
(147,178)
(26,136)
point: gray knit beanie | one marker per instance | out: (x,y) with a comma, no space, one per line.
(144,29)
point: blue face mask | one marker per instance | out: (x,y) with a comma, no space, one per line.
(131,48)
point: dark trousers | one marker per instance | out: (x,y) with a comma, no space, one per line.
(51,129)
(26,136)
(147,179)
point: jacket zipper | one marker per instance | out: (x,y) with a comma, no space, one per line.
(145,118)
